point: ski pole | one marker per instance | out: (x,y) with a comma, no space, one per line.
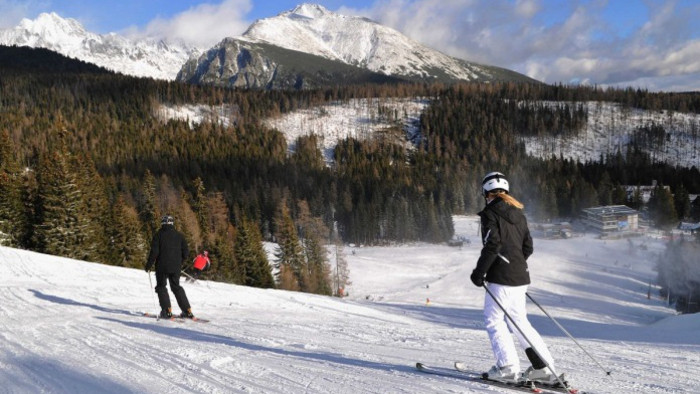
(152,296)
(524,336)
(188,275)
(567,333)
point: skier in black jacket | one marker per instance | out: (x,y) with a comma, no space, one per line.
(168,251)
(503,264)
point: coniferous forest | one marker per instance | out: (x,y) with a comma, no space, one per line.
(87,169)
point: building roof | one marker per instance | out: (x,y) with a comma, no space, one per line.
(689,226)
(611,210)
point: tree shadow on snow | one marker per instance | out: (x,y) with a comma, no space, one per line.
(67,301)
(195,335)
(462,318)
(467,318)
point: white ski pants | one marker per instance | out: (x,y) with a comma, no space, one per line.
(513,299)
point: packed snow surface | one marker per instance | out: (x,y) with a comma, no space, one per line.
(69,326)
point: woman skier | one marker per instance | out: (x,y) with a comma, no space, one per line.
(502,264)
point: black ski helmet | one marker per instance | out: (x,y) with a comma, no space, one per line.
(494,181)
(167,219)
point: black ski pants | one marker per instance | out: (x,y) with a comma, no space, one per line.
(162,278)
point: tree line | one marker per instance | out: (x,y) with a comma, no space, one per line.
(87,169)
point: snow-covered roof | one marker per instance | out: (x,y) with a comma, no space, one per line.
(611,210)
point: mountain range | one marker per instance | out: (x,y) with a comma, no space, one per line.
(159,59)
(305,47)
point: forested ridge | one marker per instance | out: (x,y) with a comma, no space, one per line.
(87,169)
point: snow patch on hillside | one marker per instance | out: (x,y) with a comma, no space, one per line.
(610,128)
(195,114)
(358,118)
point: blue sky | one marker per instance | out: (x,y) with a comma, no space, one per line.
(652,44)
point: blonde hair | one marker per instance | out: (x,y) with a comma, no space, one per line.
(510,200)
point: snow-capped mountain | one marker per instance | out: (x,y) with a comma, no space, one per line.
(361,42)
(242,63)
(144,58)
(305,47)
(312,30)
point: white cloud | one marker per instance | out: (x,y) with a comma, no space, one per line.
(580,47)
(527,8)
(13,11)
(205,24)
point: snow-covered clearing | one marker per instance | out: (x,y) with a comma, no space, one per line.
(357,118)
(610,128)
(69,326)
(195,114)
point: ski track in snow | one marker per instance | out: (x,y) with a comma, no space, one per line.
(73,327)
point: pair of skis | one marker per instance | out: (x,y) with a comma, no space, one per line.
(460,372)
(174,318)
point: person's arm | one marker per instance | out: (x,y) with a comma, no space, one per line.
(155,251)
(528,248)
(184,249)
(491,239)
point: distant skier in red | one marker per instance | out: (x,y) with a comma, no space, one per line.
(201,263)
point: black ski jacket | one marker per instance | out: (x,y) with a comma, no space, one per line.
(507,244)
(168,250)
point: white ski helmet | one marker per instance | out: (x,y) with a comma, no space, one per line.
(494,181)
(167,219)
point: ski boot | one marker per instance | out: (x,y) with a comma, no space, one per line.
(187,314)
(505,374)
(543,376)
(166,313)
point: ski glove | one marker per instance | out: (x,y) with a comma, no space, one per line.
(148,268)
(477,278)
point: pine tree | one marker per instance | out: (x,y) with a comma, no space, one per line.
(251,256)
(316,256)
(681,201)
(61,226)
(636,202)
(149,211)
(661,208)
(224,264)
(340,273)
(695,210)
(188,224)
(12,218)
(199,206)
(290,257)
(128,244)
(96,209)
